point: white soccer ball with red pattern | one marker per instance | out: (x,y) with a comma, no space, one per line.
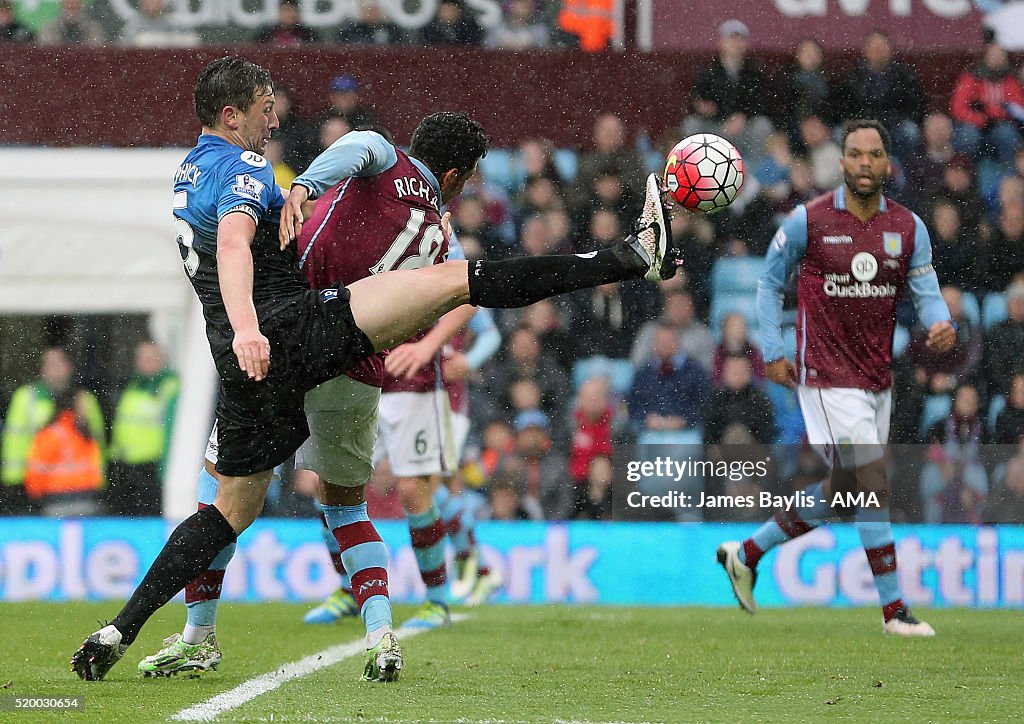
(704,173)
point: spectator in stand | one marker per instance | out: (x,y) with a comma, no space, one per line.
(541,194)
(470,219)
(73,27)
(507,499)
(299,138)
(728,96)
(537,156)
(152,27)
(1007,502)
(499,442)
(605,231)
(597,491)
(925,167)
(1003,257)
(695,235)
(331,130)
(141,434)
(561,229)
(591,22)
(592,431)
(956,449)
(823,153)
(606,318)
(941,373)
(371,27)
(535,236)
(959,187)
(610,151)
(11,30)
(453,25)
(524,360)
(1009,192)
(519,29)
(805,89)
(981,108)
(885,89)
(669,390)
(288,31)
(1009,428)
(695,339)
(801,185)
(737,403)
(32,408)
(345,103)
(64,466)
(382,499)
(772,171)
(545,321)
(954,253)
(736,341)
(1004,343)
(608,191)
(545,467)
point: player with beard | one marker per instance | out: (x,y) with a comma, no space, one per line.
(854,252)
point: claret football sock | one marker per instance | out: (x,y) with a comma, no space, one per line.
(365,557)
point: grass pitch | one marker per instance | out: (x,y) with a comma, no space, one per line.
(552,663)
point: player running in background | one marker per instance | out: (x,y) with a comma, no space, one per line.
(854,251)
(434,439)
(234,232)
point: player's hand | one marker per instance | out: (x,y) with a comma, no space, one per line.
(446,223)
(455,368)
(407,359)
(941,337)
(781,372)
(291,216)
(253,352)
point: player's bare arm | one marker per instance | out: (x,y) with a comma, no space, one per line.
(292,215)
(408,359)
(235,234)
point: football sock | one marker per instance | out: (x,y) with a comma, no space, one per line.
(875,532)
(189,551)
(452,513)
(785,525)
(427,533)
(335,551)
(365,557)
(524,280)
(202,595)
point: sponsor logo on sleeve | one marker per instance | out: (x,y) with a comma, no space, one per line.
(248,186)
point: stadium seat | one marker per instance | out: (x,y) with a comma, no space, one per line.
(618,371)
(567,163)
(498,168)
(670,437)
(736,275)
(997,405)
(936,407)
(723,304)
(900,340)
(972,309)
(993,311)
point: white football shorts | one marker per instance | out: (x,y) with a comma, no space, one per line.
(416,433)
(849,427)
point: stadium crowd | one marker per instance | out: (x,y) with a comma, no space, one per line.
(630,371)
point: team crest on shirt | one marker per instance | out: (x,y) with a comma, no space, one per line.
(248,186)
(893,241)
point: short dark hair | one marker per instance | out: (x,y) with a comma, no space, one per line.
(229,81)
(447,140)
(862,123)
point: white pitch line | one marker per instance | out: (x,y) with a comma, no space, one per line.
(249,690)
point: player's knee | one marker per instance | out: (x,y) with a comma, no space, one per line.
(414,494)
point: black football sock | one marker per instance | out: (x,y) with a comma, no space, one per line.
(188,552)
(525,280)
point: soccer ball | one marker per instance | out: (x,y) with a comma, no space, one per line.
(704,173)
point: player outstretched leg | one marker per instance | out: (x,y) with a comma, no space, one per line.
(195,649)
(740,559)
(340,604)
